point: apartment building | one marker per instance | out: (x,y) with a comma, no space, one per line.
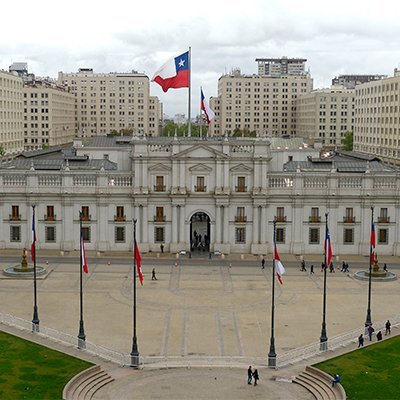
(112,102)
(49,114)
(351,81)
(325,115)
(281,66)
(258,104)
(377,119)
(11,114)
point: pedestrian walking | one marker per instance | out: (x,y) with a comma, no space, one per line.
(379,336)
(162,248)
(371,330)
(361,341)
(331,267)
(255,376)
(263,263)
(153,275)
(387,326)
(385,267)
(249,375)
(311,269)
(346,267)
(303,266)
(343,267)
(322,266)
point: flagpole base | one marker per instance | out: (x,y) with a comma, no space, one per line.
(323,346)
(272,361)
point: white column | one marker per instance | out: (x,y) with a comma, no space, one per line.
(255,224)
(182,224)
(263,224)
(218,225)
(226,224)
(144,174)
(227,184)
(145,224)
(182,174)
(174,224)
(218,176)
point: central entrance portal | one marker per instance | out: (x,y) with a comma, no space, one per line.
(200,232)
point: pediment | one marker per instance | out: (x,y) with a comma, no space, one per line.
(200,168)
(201,151)
(159,168)
(241,168)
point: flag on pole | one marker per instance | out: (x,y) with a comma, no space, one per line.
(208,113)
(279,269)
(83,256)
(328,248)
(373,243)
(174,74)
(33,243)
(138,260)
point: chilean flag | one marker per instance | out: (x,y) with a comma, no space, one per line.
(279,269)
(138,259)
(328,249)
(33,244)
(83,255)
(174,74)
(373,243)
(208,113)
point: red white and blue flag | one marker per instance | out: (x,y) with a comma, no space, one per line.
(208,113)
(373,243)
(138,260)
(279,269)
(174,74)
(33,243)
(328,249)
(83,256)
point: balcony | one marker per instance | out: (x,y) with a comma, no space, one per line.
(86,217)
(384,220)
(50,217)
(240,218)
(240,189)
(314,219)
(15,217)
(200,188)
(119,218)
(347,219)
(159,218)
(280,218)
(159,188)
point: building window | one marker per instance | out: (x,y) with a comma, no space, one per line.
(200,187)
(159,217)
(314,217)
(314,236)
(349,217)
(86,234)
(241,184)
(280,214)
(159,235)
(50,216)
(383,236)
(119,234)
(348,236)
(15,233)
(120,216)
(85,213)
(159,186)
(15,213)
(240,215)
(50,234)
(240,235)
(383,216)
(280,235)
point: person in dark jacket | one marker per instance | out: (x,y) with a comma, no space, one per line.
(249,375)
(255,376)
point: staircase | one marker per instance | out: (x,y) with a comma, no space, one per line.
(84,385)
(319,384)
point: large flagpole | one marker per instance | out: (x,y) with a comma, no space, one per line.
(368,320)
(35,320)
(323,340)
(272,353)
(201,116)
(135,351)
(189,93)
(81,335)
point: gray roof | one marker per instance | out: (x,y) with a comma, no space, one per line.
(109,141)
(286,143)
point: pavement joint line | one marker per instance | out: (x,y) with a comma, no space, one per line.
(220,339)
(167,322)
(237,334)
(185,333)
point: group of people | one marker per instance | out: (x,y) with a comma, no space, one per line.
(371,330)
(252,374)
(199,242)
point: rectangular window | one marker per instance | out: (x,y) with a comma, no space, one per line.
(240,214)
(348,217)
(85,213)
(159,217)
(314,236)
(280,214)
(280,235)
(50,213)
(50,234)
(200,187)
(15,213)
(159,235)
(15,233)
(240,235)
(241,184)
(159,187)
(86,234)
(383,216)
(314,217)
(348,236)
(383,236)
(120,213)
(119,234)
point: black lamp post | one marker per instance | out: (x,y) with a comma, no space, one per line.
(272,353)
(324,338)
(35,319)
(81,334)
(368,320)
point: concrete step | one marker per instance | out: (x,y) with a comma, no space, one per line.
(314,389)
(326,385)
(86,384)
(97,386)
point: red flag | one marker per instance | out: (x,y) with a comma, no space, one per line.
(138,260)
(279,269)
(328,249)
(373,243)
(33,244)
(83,257)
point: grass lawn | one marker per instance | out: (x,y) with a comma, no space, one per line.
(371,372)
(30,371)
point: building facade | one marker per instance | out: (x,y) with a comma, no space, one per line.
(351,81)
(281,66)
(326,115)
(200,195)
(112,102)
(377,118)
(11,113)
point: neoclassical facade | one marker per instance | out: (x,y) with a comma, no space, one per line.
(212,194)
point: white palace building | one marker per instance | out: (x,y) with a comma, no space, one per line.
(214,194)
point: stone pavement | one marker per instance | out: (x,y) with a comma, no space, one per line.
(199,308)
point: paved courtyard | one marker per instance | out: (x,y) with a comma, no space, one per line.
(199,307)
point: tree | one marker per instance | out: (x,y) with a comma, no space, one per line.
(348,141)
(2,151)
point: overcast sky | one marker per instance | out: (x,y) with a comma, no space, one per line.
(339,37)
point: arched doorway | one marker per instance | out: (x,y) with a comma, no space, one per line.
(200,232)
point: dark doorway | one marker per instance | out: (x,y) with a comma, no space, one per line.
(200,232)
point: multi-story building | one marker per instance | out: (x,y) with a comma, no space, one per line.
(377,118)
(351,81)
(11,113)
(49,114)
(281,66)
(326,115)
(111,102)
(258,104)
(204,195)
